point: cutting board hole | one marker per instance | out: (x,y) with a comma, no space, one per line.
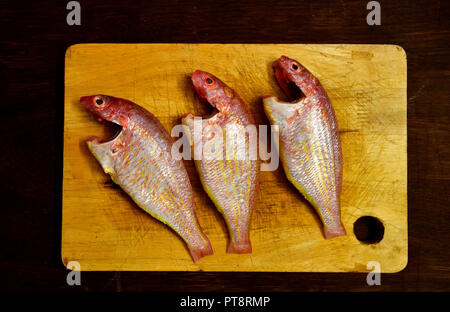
(369,230)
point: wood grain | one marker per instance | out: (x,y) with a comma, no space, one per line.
(104,230)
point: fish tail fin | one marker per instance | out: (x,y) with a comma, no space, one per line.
(240,247)
(199,252)
(334,231)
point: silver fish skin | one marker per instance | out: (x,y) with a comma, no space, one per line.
(310,147)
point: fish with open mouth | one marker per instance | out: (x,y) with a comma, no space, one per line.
(229,172)
(139,160)
(310,147)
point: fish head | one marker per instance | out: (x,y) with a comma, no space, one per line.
(293,78)
(115,112)
(212,90)
(105,107)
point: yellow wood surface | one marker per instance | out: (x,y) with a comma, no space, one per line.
(103,229)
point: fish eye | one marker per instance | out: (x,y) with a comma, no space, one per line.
(99,101)
(294,66)
(209,81)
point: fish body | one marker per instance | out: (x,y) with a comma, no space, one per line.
(139,160)
(309,146)
(228,170)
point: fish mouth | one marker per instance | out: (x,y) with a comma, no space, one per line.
(213,113)
(112,132)
(287,84)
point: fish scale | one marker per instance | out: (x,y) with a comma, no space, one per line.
(231,182)
(310,147)
(139,160)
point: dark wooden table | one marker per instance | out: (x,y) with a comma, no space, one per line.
(33,42)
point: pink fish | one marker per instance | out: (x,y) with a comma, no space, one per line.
(310,147)
(139,159)
(231,181)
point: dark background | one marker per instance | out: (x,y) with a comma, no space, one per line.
(33,42)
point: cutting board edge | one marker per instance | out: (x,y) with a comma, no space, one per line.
(398,268)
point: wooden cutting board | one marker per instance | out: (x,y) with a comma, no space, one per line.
(103,229)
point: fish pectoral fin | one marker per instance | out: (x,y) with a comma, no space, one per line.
(280,112)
